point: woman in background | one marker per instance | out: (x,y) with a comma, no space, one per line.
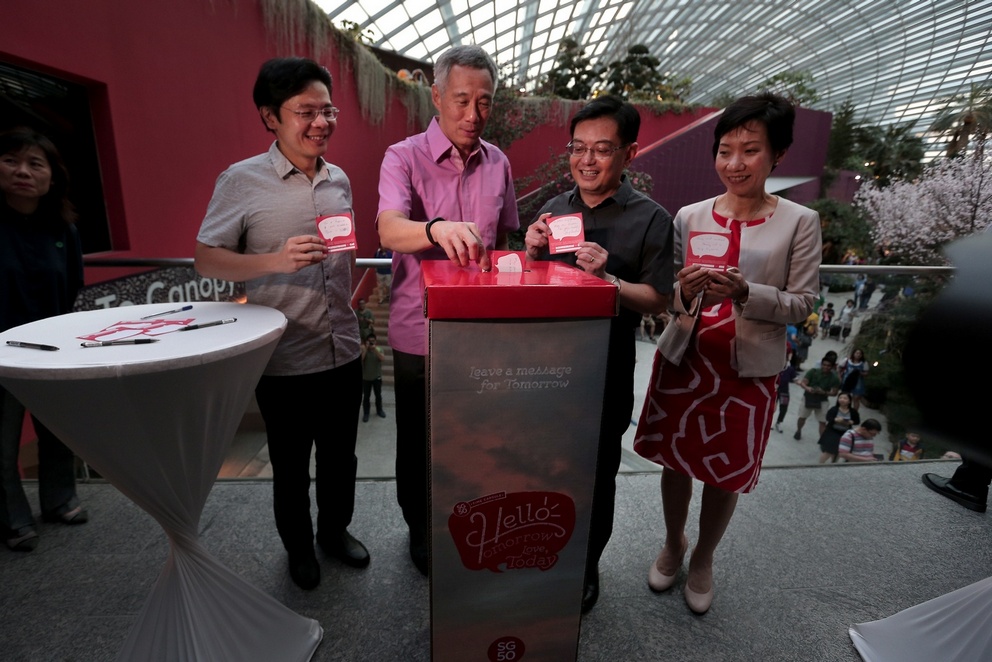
(845,319)
(41,270)
(852,372)
(708,413)
(786,378)
(840,418)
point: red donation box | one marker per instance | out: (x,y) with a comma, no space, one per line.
(516,370)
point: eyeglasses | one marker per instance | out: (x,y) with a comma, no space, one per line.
(601,151)
(329,113)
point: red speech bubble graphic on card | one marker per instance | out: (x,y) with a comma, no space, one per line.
(567,232)
(512,531)
(337,231)
(708,249)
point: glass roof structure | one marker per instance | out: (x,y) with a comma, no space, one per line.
(897,60)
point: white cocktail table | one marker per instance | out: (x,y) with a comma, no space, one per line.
(155,420)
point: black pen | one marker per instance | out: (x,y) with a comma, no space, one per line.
(32,345)
(110,343)
(193,327)
(168,312)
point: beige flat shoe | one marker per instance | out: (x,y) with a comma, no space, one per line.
(659,582)
(699,603)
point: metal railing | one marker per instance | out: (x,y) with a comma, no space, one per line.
(891,307)
(165,262)
(373,262)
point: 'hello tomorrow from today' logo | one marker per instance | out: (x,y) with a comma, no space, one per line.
(512,531)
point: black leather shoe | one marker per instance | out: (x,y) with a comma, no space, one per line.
(346,548)
(942,485)
(419,552)
(304,570)
(590,594)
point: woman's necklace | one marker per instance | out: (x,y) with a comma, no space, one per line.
(753,214)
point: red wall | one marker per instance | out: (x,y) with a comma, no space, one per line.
(682,164)
(171,88)
(547,140)
(171,96)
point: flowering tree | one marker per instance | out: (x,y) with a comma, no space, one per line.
(912,219)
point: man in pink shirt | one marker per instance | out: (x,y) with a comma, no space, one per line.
(443,193)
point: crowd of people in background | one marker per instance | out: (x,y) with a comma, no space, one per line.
(834,392)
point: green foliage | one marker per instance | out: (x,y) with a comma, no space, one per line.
(554,178)
(658,108)
(668,90)
(843,230)
(882,336)
(636,78)
(641,181)
(843,136)
(964,116)
(723,99)
(796,86)
(298,26)
(842,283)
(514,115)
(355,31)
(889,153)
(879,154)
(637,71)
(572,76)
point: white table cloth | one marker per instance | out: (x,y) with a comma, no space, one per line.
(951,628)
(155,420)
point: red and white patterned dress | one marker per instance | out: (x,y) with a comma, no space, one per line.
(699,417)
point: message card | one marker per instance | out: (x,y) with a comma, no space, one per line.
(566,233)
(338,232)
(508,261)
(130,329)
(708,249)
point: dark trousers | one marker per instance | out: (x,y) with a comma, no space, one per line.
(302,412)
(412,489)
(368,387)
(972,478)
(56,468)
(783,407)
(618,404)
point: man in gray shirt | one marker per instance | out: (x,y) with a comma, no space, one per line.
(260,228)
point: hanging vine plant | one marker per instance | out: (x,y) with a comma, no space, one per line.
(296,25)
(300,25)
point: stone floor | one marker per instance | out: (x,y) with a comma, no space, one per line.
(811,552)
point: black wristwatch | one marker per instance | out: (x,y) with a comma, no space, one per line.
(430,237)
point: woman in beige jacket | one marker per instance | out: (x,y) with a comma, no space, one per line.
(747,264)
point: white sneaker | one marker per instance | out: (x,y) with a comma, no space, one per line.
(778,428)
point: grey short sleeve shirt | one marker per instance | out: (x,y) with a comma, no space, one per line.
(257,205)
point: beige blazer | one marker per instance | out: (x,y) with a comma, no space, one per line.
(780,261)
